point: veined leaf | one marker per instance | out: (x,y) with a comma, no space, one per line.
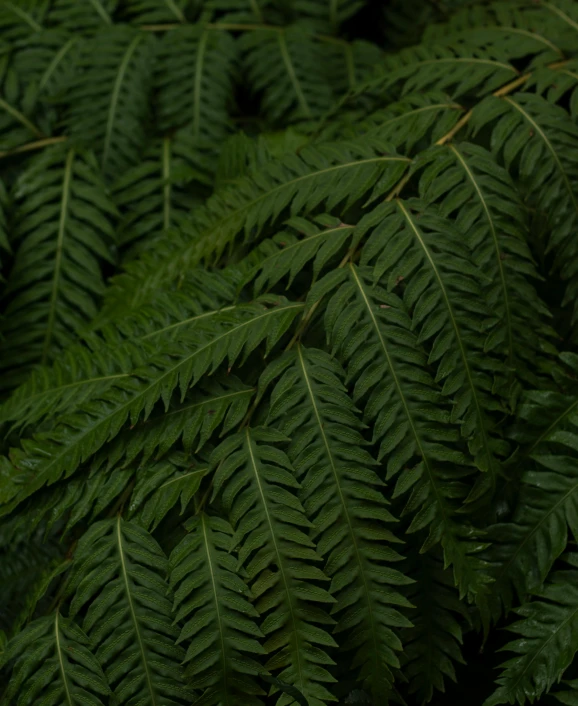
(414,245)
(119,580)
(54,664)
(412,426)
(341,495)
(219,629)
(257,485)
(64,236)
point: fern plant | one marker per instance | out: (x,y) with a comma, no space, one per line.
(289,393)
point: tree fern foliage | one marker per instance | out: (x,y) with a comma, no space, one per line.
(288,352)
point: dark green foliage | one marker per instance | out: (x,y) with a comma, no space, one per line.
(289,395)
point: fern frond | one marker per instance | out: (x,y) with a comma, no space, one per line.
(419,118)
(201,59)
(257,485)
(55,664)
(342,497)
(63,236)
(160,487)
(328,13)
(433,647)
(289,251)
(221,401)
(21,19)
(322,176)
(547,642)
(454,69)
(558,83)
(24,555)
(372,332)
(119,580)
(84,371)
(45,66)
(82,15)
(52,455)
(294,85)
(18,123)
(144,12)
(107,101)
(546,515)
(533,132)
(161,190)
(219,628)
(482,200)
(414,245)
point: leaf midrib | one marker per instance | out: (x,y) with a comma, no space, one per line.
(456,329)
(115,95)
(361,565)
(224,682)
(133,612)
(62,223)
(278,554)
(142,393)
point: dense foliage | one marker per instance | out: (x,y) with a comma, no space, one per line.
(289,370)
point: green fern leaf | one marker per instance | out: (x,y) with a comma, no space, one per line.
(373,334)
(449,313)
(64,235)
(257,484)
(533,132)
(319,177)
(432,648)
(221,401)
(219,628)
(54,664)
(547,643)
(482,200)
(50,456)
(21,19)
(525,549)
(341,495)
(82,15)
(162,189)
(119,570)
(144,12)
(203,57)
(160,487)
(107,101)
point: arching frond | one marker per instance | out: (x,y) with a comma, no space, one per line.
(218,402)
(342,497)
(257,485)
(160,487)
(202,58)
(433,647)
(107,101)
(547,642)
(63,237)
(231,336)
(295,85)
(55,664)
(155,195)
(533,132)
(413,245)
(319,177)
(119,581)
(219,629)
(372,332)
(525,549)
(482,200)
(78,15)
(22,19)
